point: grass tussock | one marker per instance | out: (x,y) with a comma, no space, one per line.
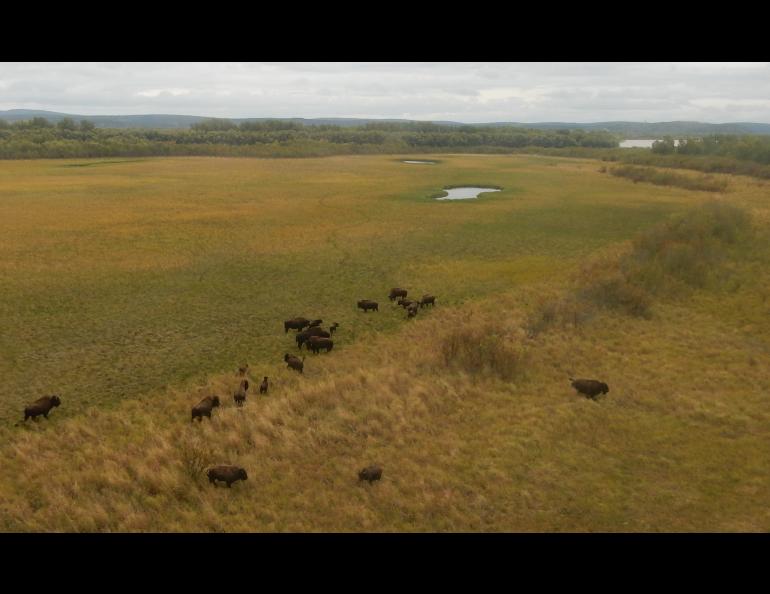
(483,347)
(668,178)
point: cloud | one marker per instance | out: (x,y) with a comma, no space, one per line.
(469,92)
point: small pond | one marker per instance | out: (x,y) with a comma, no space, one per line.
(465,193)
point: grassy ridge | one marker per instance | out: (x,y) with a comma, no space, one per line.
(470,440)
(153,273)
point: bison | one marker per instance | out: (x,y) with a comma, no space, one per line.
(315,323)
(396,292)
(427,300)
(590,388)
(295,324)
(316,343)
(41,406)
(240,395)
(294,363)
(302,337)
(407,302)
(333,328)
(243,370)
(263,386)
(411,311)
(204,408)
(226,474)
(366,305)
(370,473)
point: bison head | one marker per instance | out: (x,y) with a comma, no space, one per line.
(215,401)
(605,388)
(55,400)
(242,474)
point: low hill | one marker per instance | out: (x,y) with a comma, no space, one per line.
(628,129)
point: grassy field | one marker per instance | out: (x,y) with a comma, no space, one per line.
(134,288)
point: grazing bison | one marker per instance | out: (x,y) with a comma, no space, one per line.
(302,337)
(226,474)
(590,388)
(295,324)
(294,363)
(240,395)
(315,323)
(370,473)
(366,305)
(407,302)
(411,311)
(263,386)
(204,408)
(41,406)
(396,292)
(316,343)
(243,370)
(427,300)
(333,328)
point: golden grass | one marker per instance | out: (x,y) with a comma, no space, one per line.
(473,421)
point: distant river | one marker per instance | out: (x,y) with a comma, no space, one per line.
(643,143)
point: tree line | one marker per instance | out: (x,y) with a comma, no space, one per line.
(39,138)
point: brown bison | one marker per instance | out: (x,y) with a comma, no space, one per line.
(590,388)
(396,292)
(315,323)
(294,363)
(243,370)
(240,395)
(427,300)
(333,328)
(366,305)
(204,408)
(370,473)
(226,474)
(302,337)
(316,343)
(295,324)
(263,386)
(407,302)
(41,406)
(411,311)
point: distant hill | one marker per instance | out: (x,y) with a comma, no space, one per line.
(627,129)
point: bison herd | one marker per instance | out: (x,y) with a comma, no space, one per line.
(310,334)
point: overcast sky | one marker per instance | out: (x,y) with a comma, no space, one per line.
(465,92)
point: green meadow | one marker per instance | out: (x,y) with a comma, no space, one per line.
(134,288)
(123,277)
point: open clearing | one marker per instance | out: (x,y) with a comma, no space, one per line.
(134,288)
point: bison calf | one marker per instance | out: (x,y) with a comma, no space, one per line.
(226,474)
(366,305)
(333,328)
(263,386)
(370,473)
(204,408)
(590,388)
(294,363)
(41,406)
(243,370)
